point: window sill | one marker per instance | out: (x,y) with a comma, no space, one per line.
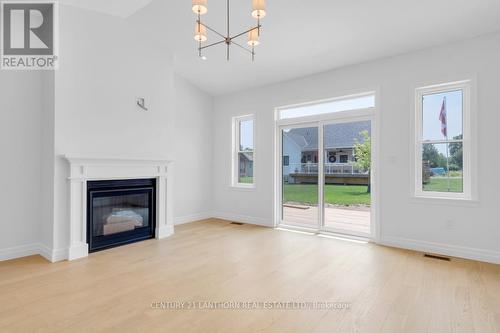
(443,201)
(243,187)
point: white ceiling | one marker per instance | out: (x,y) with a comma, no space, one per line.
(122,8)
(306,37)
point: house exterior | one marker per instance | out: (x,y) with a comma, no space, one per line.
(292,152)
(300,150)
(246,165)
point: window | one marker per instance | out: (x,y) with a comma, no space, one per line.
(244,152)
(358,102)
(286,160)
(344,158)
(443,141)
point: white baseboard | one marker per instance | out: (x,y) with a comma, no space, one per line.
(244,219)
(53,255)
(223,216)
(31,250)
(164,232)
(19,252)
(192,218)
(78,250)
(442,249)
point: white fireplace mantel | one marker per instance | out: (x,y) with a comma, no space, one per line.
(83,169)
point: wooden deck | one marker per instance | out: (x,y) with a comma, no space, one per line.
(348,219)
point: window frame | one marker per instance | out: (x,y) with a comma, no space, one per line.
(467,141)
(325,115)
(235,179)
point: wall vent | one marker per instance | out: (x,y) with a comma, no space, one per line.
(236,223)
(433,256)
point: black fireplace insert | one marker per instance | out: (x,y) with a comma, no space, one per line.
(120,212)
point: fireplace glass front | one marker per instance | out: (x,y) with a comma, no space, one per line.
(120,212)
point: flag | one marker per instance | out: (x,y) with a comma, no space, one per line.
(444,119)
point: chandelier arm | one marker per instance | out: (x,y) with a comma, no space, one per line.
(213,30)
(213,44)
(242,47)
(247,31)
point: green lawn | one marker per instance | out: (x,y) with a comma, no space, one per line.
(246,180)
(334,194)
(440,184)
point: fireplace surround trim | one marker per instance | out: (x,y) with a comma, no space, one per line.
(84,169)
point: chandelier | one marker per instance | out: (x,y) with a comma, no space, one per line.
(200,35)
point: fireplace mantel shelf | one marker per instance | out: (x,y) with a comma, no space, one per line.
(83,169)
(99,160)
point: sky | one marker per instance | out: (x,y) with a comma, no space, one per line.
(246,133)
(432,108)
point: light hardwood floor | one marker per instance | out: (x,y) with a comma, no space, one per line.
(389,290)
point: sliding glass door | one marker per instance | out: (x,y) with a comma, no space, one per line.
(300,167)
(326,176)
(346,177)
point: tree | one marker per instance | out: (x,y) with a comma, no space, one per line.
(433,156)
(363,154)
(456,154)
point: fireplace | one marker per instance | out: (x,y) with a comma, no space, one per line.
(120,212)
(85,171)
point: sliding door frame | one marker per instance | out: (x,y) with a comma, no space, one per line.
(319,121)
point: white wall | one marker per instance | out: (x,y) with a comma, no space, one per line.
(464,230)
(46,234)
(21,134)
(192,139)
(105,65)
(87,108)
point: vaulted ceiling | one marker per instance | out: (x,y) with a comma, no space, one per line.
(122,8)
(306,37)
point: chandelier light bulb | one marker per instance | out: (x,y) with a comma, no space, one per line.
(253,37)
(200,33)
(200,6)
(258,8)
